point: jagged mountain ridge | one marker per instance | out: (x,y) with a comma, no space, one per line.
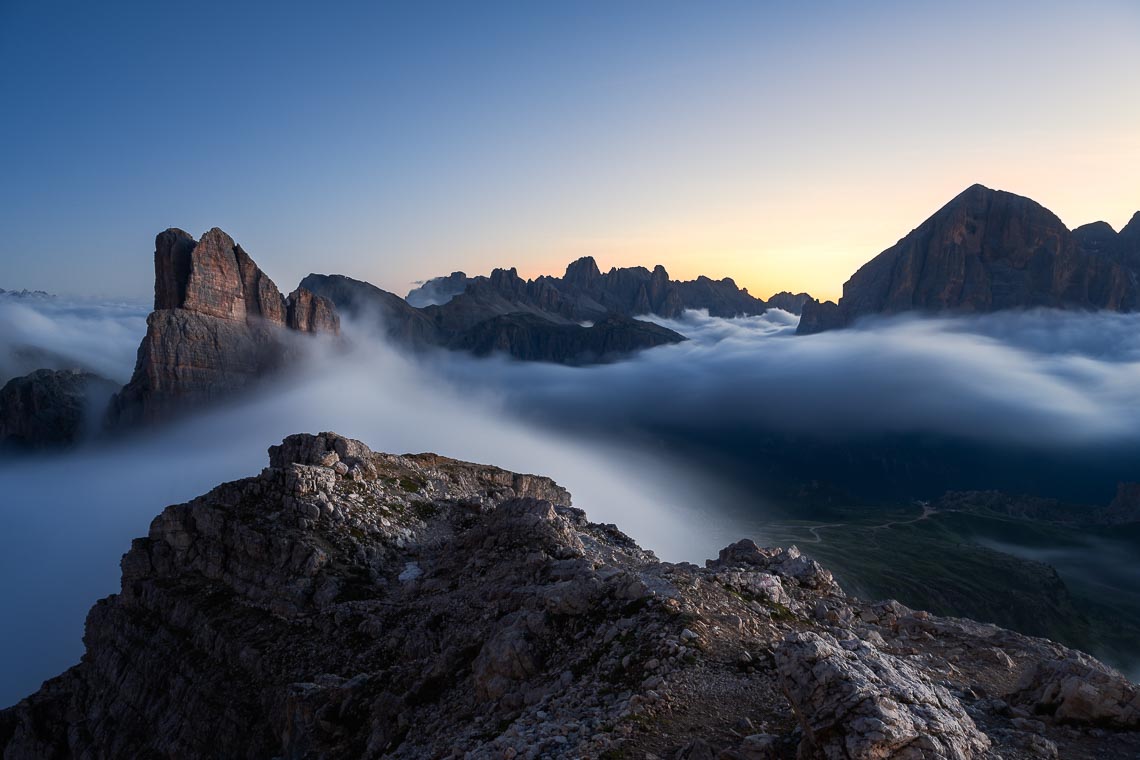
(351,604)
(527,320)
(491,325)
(582,317)
(988,250)
(584,292)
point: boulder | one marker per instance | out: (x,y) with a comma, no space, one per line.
(857,703)
(1077,689)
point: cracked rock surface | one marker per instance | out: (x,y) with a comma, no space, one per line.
(350,604)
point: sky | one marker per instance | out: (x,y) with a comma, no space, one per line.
(782,144)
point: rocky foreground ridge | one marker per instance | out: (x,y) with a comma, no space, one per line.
(351,604)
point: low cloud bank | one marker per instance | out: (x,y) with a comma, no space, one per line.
(1032,379)
(61,333)
(1040,379)
(68,518)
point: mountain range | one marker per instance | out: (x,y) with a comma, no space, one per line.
(583,317)
(220,324)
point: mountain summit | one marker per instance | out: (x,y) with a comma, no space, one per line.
(350,604)
(988,250)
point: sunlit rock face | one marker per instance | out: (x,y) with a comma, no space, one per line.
(350,604)
(219,325)
(986,250)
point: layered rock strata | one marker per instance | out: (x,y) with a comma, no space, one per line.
(219,325)
(348,604)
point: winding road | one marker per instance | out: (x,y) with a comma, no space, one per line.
(927,512)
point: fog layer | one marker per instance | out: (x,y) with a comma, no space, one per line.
(60,333)
(1032,379)
(69,518)
(1040,378)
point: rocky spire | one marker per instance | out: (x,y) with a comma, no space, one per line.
(172,254)
(213,276)
(217,327)
(309,313)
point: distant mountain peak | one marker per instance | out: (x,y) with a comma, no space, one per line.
(582,273)
(988,250)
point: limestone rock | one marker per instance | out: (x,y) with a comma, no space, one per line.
(172,260)
(219,326)
(310,313)
(351,604)
(787,562)
(1077,689)
(856,702)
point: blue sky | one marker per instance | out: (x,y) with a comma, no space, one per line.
(780,143)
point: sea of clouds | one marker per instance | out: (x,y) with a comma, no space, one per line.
(63,333)
(1037,378)
(1033,378)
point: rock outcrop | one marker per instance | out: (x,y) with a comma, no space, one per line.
(1099,239)
(219,325)
(986,250)
(309,313)
(363,301)
(855,701)
(347,604)
(49,408)
(793,303)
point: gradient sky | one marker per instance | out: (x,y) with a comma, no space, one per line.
(783,144)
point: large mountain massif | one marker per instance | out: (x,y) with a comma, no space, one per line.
(988,250)
(49,407)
